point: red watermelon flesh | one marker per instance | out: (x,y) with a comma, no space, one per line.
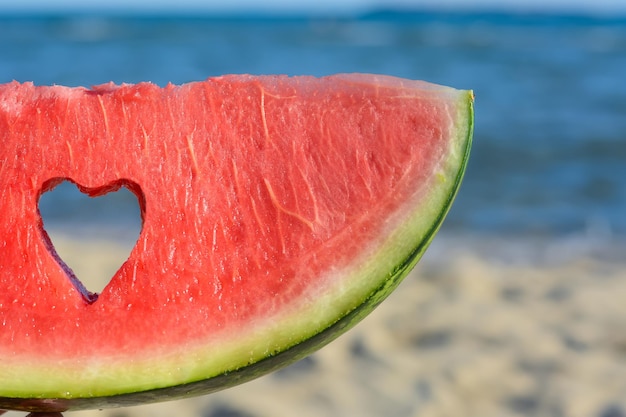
(277,211)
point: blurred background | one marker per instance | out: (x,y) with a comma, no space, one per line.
(517,308)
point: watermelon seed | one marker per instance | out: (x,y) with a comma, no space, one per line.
(90,237)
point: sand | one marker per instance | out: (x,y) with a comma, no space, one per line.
(482,327)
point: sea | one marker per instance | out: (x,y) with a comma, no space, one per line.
(549,153)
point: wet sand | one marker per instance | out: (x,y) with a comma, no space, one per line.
(482,327)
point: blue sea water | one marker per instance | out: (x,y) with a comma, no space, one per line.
(549,155)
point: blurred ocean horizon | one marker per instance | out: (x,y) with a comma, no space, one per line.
(549,154)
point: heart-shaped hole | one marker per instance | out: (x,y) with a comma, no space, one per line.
(91,237)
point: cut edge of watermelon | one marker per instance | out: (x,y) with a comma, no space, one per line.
(206,368)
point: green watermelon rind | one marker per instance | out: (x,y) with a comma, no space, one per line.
(393,261)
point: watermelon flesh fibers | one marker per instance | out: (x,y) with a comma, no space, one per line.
(277,212)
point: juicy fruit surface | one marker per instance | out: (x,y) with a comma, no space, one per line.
(272,208)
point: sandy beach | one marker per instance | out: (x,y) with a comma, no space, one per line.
(482,327)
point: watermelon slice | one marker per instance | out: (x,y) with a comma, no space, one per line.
(277,212)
